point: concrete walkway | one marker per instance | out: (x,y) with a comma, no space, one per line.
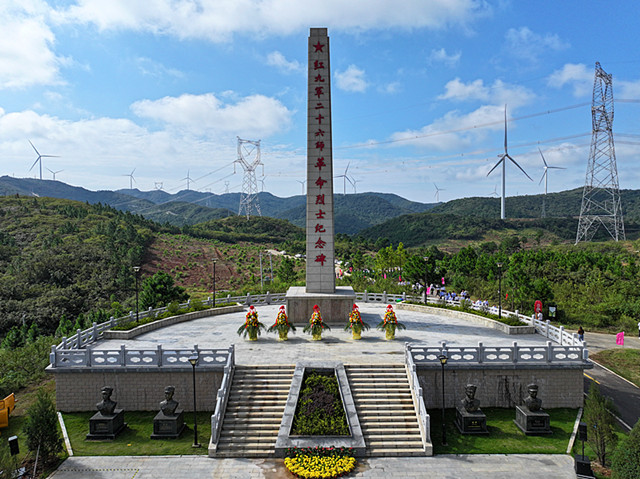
(481,466)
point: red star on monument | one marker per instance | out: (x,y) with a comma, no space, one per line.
(318,46)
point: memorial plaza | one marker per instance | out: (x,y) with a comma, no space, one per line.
(429,329)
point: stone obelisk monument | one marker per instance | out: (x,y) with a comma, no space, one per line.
(335,303)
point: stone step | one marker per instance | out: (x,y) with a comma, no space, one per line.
(248,439)
(249,453)
(386,452)
(387,399)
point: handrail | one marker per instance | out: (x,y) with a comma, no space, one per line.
(427,356)
(424,420)
(222,398)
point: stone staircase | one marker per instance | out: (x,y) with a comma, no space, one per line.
(385,409)
(254,411)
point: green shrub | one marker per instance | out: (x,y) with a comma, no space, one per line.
(625,461)
(320,411)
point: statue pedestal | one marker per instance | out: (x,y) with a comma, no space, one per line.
(168,427)
(532,422)
(106,427)
(471,422)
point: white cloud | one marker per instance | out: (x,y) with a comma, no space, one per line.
(277,59)
(150,67)
(219,20)
(628,89)
(26,46)
(441,56)
(352,79)
(390,88)
(528,45)
(256,116)
(498,93)
(575,75)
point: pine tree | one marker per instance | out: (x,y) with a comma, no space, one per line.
(41,427)
(598,414)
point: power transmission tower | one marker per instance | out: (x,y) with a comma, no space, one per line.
(249,159)
(601,195)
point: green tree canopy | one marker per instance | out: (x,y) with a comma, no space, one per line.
(160,290)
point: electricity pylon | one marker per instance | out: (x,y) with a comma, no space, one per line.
(601,195)
(249,159)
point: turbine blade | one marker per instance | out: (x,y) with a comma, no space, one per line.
(516,163)
(505,129)
(49,156)
(556,167)
(543,160)
(543,175)
(34,164)
(34,148)
(497,164)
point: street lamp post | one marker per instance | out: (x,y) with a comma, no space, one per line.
(136,272)
(426,276)
(213,296)
(443,361)
(499,291)
(193,359)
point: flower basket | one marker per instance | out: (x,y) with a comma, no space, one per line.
(356,324)
(251,326)
(282,325)
(390,324)
(316,326)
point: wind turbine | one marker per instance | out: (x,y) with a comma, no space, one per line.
(54,173)
(502,159)
(545,177)
(345,179)
(353,182)
(39,159)
(437,195)
(495,191)
(188,178)
(132,180)
(302,185)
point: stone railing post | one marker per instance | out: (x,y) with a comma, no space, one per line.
(87,353)
(159,353)
(248,300)
(365,297)
(384,296)
(549,351)
(78,338)
(585,352)
(123,355)
(561,334)
(404,296)
(515,352)
(112,322)
(267,298)
(95,332)
(64,342)
(52,355)
(480,352)
(546,328)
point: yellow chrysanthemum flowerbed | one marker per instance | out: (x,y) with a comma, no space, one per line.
(319,467)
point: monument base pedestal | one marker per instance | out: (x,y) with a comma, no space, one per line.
(106,427)
(532,422)
(471,422)
(334,307)
(168,427)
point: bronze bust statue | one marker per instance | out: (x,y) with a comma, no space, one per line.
(106,406)
(470,403)
(532,402)
(169,405)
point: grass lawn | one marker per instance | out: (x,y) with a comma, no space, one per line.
(135,439)
(504,436)
(625,362)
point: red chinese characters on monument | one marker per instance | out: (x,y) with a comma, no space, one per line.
(320,93)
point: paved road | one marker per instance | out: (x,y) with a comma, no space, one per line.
(476,466)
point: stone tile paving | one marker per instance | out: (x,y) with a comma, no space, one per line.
(523,466)
(337,345)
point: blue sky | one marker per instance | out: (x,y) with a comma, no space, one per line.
(419,88)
